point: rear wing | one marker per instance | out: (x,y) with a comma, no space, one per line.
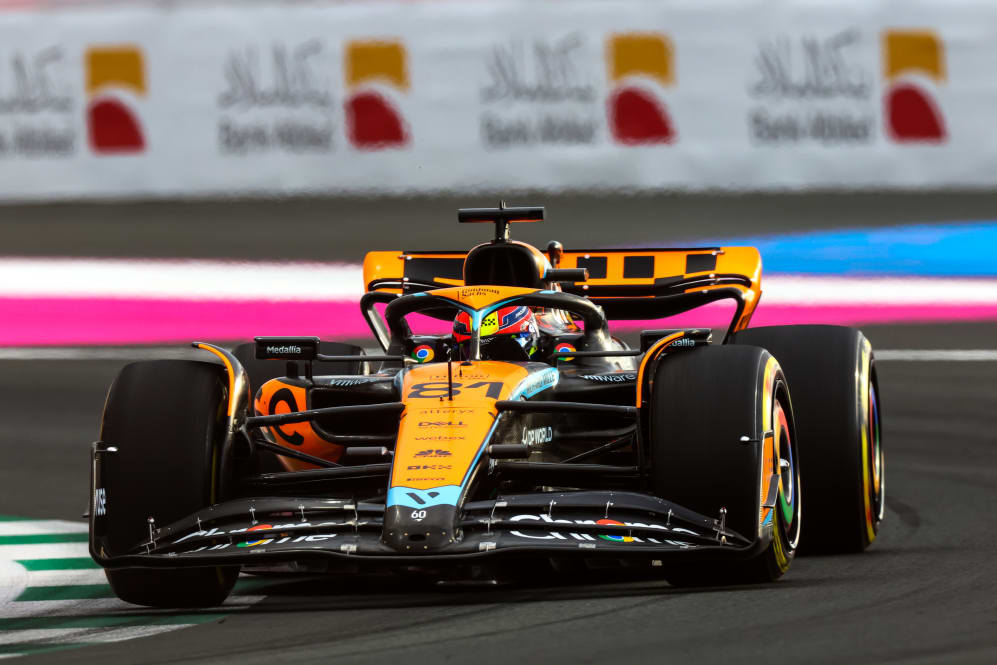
(626,283)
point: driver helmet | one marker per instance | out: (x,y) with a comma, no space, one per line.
(515,323)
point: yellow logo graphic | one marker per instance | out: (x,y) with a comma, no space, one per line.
(641,54)
(918,51)
(115,66)
(912,115)
(373,61)
(112,126)
(636,114)
(371,119)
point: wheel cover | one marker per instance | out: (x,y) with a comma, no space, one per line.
(789,492)
(878,484)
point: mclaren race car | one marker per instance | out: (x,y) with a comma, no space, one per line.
(513,432)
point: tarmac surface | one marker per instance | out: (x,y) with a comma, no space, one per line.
(923,593)
(343,229)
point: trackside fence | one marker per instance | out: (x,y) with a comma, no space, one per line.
(196,99)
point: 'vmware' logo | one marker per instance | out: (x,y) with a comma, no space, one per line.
(373,68)
(911,58)
(115,78)
(640,64)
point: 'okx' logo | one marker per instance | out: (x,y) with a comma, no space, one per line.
(115,81)
(914,62)
(375,71)
(641,65)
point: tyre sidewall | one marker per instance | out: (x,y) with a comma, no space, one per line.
(165,419)
(832,371)
(705,403)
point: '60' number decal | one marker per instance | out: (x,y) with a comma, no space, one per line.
(439,389)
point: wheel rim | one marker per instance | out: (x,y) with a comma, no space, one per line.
(877,486)
(789,491)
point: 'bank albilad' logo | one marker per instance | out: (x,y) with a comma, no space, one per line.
(910,58)
(375,70)
(115,76)
(640,66)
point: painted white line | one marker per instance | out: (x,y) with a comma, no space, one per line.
(43,551)
(938,355)
(25,528)
(182,353)
(66,608)
(178,279)
(260,280)
(87,576)
(102,606)
(13,580)
(17,578)
(113,353)
(60,635)
(131,278)
(850,291)
(103,353)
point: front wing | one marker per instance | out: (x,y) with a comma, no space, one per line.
(611,524)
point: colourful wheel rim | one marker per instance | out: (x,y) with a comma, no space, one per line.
(789,492)
(878,483)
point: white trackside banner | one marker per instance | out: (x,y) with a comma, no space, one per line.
(257,99)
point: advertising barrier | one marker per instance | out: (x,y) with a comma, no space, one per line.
(383,97)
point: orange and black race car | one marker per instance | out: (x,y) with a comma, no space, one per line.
(512,432)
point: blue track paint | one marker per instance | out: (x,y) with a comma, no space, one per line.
(446,495)
(959,249)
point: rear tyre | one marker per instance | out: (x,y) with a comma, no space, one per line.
(166,418)
(838,412)
(703,402)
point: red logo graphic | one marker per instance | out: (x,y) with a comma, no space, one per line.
(910,58)
(114,73)
(375,70)
(639,64)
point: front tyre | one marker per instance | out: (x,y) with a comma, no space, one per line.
(166,419)
(722,435)
(838,410)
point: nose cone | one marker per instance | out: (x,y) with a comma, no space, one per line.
(419,530)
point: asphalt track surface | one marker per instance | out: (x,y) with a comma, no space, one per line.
(342,229)
(923,593)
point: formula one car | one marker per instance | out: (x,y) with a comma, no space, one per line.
(517,434)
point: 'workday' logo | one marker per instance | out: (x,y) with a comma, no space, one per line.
(911,59)
(115,80)
(374,71)
(640,65)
